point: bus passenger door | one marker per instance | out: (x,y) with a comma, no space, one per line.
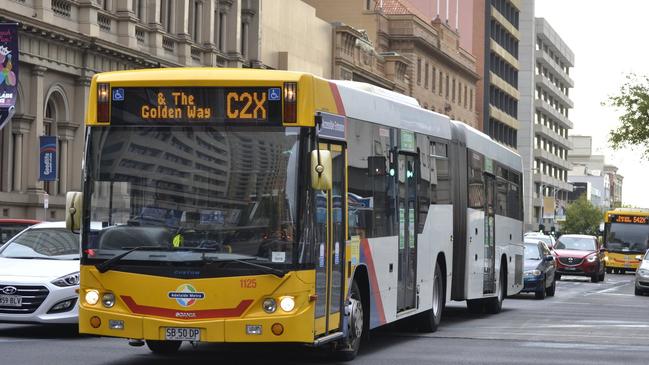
(331,232)
(489,275)
(407,207)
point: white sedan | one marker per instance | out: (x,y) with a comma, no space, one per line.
(39,275)
(642,276)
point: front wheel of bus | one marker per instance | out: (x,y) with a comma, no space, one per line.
(163,347)
(348,348)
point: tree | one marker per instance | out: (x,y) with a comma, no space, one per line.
(633,100)
(582,217)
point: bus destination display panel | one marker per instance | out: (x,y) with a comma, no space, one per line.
(633,219)
(178,105)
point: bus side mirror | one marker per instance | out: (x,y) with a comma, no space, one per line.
(321,176)
(73,210)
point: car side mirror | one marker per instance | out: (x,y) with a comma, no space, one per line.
(602,249)
(549,258)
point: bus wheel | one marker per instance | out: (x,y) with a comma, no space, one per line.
(347,349)
(495,305)
(163,347)
(609,270)
(430,319)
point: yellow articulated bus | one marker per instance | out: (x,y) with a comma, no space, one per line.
(626,238)
(249,206)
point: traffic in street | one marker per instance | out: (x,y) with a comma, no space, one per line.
(584,323)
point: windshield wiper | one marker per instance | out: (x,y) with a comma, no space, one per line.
(108,264)
(268,269)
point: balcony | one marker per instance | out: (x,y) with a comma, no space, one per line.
(545,60)
(552,135)
(549,109)
(553,90)
(551,158)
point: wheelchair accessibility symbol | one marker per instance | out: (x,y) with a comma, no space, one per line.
(118,94)
(275,94)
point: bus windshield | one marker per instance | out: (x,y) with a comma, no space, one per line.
(229,192)
(624,237)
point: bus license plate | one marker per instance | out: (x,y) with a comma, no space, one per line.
(11,300)
(182,334)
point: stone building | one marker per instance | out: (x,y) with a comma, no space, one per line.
(402,48)
(63,43)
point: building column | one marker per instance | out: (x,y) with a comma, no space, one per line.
(20,127)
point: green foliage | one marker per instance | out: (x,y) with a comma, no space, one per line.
(633,101)
(582,217)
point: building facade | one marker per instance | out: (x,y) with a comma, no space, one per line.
(404,49)
(63,43)
(495,41)
(543,143)
(604,179)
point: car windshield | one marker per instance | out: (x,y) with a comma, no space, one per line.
(43,243)
(7,231)
(546,239)
(627,237)
(532,252)
(227,190)
(576,243)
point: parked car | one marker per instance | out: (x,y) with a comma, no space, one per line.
(579,254)
(39,275)
(549,240)
(11,227)
(540,269)
(642,276)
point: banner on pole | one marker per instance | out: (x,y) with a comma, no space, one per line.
(48,159)
(8,71)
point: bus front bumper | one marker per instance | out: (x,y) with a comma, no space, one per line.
(296,328)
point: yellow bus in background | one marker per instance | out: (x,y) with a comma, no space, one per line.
(249,206)
(626,238)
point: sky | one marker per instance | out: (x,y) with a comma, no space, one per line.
(608,41)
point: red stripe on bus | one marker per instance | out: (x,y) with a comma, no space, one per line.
(337,99)
(373,281)
(187,314)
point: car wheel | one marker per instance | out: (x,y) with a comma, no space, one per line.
(638,291)
(557,276)
(348,348)
(602,276)
(594,278)
(550,291)
(540,294)
(430,319)
(163,347)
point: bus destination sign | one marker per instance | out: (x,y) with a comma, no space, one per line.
(141,106)
(633,219)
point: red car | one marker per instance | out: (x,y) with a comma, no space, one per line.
(10,227)
(579,254)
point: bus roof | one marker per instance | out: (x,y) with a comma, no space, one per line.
(174,75)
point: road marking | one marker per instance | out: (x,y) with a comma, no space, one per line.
(572,345)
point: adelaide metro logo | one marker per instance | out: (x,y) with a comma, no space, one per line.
(186,295)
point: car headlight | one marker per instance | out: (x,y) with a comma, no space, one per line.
(68,280)
(643,273)
(533,272)
(591,258)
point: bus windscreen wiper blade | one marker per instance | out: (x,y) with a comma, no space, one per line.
(277,272)
(108,264)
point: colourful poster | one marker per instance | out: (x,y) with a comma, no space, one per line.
(8,71)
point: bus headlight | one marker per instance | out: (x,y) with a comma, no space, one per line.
(92,297)
(108,300)
(269,305)
(287,304)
